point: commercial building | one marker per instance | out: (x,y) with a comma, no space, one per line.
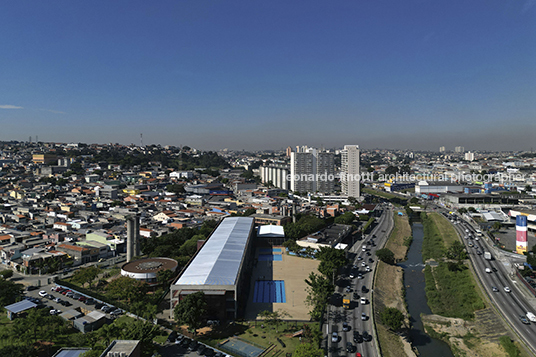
(350,174)
(220,269)
(312,170)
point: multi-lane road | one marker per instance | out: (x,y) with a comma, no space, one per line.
(359,255)
(512,305)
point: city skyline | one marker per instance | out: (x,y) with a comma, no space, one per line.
(395,75)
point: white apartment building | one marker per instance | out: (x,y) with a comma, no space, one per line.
(277,174)
(350,174)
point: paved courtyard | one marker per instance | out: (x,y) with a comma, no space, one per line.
(293,271)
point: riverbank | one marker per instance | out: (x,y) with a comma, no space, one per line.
(459,315)
(389,291)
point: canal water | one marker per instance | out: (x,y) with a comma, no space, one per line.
(416,299)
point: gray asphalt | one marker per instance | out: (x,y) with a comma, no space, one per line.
(512,304)
(337,314)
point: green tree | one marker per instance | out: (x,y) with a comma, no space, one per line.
(346,218)
(86,275)
(274,317)
(457,251)
(497,226)
(414,200)
(6,274)
(386,255)
(307,350)
(319,290)
(392,317)
(175,188)
(125,288)
(163,276)
(331,260)
(190,310)
(9,292)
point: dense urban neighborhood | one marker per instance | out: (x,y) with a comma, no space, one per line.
(175,251)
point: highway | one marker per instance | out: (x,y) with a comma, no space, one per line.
(337,315)
(512,304)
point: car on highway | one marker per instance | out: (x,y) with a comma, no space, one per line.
(358,338)
(345,326)
(363,316)
(350,348)
(363,301)
(334,337)
(507,289)
(494,289)
(363,264)
(348,289)
(524,320)
(357,354)
(366,336)
(358,258)
(355,296)
(488,270)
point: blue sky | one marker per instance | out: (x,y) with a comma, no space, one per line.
(415,74)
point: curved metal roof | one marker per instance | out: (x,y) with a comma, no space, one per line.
(219,260)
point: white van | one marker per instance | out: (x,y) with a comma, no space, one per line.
(531,316)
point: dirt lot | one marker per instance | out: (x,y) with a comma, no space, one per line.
(293,270)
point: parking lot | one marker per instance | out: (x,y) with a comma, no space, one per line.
(73,303)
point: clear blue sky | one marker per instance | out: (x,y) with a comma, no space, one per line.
(267,74)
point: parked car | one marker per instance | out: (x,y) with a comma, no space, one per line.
(43,293)
(58,300)
(50,297)
(82,298)
(55,311)
(65,303)
(107,308)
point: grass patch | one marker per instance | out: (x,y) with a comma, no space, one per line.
(445,228)
(390,343)
(509,346)
(265,337)
(451,293)
(397,239)
(379,193)
(433,246)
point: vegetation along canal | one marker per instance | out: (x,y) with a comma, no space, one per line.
(416,299)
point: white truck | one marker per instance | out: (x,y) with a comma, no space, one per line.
(487,255)
(531,317)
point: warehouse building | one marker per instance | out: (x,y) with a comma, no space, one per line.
(220,269)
